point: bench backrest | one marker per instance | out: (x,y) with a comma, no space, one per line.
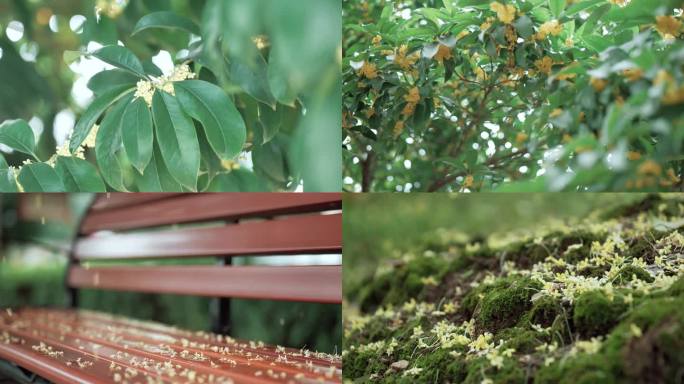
(121,226)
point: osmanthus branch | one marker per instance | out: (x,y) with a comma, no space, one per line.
(493,163)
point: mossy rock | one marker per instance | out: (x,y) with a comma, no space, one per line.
(627,272)
(503,306)
(582,369)
(438,367)
(656,355)
(544,311)
(595,314)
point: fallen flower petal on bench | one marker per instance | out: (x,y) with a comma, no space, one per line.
(79,346)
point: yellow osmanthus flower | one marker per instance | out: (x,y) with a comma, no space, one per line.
(398,128)
(486,25)
(668,26)
(413,95)
(633,74)
(404,61)
(552,27)
(480,73)
(443,53)
(650,168)
(569,42)
(556,112)
(598,84)
(89,141)
(505,12)
(111,8)
(369,71)
(511,35)
(377,40)
(468,181)
(566,76)
(620,3)
(674,95)
(635,330)
(521,137)
(633,155)
(544,65)
(230,164)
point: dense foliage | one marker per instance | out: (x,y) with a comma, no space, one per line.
(528,95)
(596,300)
(263,93)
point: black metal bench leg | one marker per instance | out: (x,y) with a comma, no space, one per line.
(221,308)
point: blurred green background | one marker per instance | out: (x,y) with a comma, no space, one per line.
(36,233)
(379,227)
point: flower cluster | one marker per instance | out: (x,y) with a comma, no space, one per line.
(146,89)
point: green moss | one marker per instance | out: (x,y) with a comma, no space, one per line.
(594,314)
(544,311)
(438,367)
(677,289)
(402,283)
(625,274)
(520,339)
(582,369)
(480,368)
(643,248)
(503,306)
(655,356)
(361,364)
(561,331)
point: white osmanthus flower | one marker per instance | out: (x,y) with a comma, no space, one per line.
(146,89)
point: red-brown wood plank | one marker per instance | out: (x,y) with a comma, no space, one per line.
(122,199)
(293,283)
(293,234)
(91,347)
(207,206)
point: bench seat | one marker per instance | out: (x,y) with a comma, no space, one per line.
(81,346)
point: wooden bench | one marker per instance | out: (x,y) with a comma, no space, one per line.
(79,346)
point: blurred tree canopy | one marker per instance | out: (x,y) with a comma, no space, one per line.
(513,95)
(257,107)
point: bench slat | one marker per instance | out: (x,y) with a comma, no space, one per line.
(86,350)
(295,234)
(123,199)
(207,206)
(321,284)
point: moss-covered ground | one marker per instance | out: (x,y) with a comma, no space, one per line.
(598,300)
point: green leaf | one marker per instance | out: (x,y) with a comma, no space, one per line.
(523,25)
(137,133)
(156,177)
(239,180)
(3,163)
(7,182)
(167,20)
(271,121)
(120,57)
(90,116)
(177,139)
(112,79)
(18,135)
(591,23)
(79,175)
(270,159)
(108,146)
(253,81)
(40,177)
(223,124)
(556,6)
